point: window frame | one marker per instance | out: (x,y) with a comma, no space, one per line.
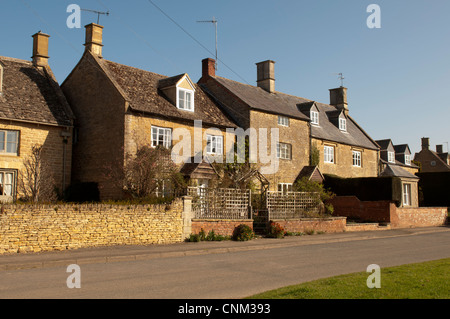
(165,138)
(3,173)
(343,124)
(328,157)
(285,187)
(357,160)
(5,142)
(283,121)
(287,151)
(406,194)
(408,159)
(314,115)
(391,157)
(210,144)
(191,99)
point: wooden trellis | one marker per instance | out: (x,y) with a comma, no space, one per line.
(292,204)
(220,203)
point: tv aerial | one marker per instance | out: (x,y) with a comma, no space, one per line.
(214,21)
(97,12)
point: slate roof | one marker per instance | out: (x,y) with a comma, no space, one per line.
(142,90)
(32,94)
(395,170)
(297,107)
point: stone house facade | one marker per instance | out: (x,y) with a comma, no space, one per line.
(33,113)
(304,126)
(120,108)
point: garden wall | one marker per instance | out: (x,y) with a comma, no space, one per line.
(327,225)
(224,227)
(32,228)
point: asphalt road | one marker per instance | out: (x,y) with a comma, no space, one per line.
(225,275)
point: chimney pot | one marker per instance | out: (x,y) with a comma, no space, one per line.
(338,98)
(425,143)
(94,39)
(40,49)
(439,149)
(266,75)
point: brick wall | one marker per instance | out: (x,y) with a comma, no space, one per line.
(26,228)
(327,225)
(224,227)
(387,212)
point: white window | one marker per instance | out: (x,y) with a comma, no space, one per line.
(283,120)
(9,142)
(285,187)
(161,136)
(328,154)
(284,151)
(357,158)
(391,157)
(406,194)
(315,117)
(408,159)
(7,183)
(185,99)
(343,124)
(214,144)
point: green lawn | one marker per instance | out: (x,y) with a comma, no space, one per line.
(428,280)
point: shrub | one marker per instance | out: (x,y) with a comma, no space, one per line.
(243,232)
(275,230)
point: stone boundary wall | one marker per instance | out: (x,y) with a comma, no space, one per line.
(35,228)
(327,225)
(224,227)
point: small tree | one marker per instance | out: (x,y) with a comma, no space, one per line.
(306,185)
(36,181)
(151,169)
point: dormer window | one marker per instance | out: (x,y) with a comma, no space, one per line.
(391,157)
(314,117)
(185,100)
(408,159)
(343,124)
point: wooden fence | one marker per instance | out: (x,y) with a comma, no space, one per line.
(220,203)
(292,205)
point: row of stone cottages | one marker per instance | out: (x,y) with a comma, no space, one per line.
(105,110)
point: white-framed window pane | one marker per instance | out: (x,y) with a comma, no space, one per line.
(188,100)
(314,117)
(408,159)
(406,194)
(343,124)
(391,157)
(7,183)
(328,154)
(283,120)
(214,144)
(161,136)
(185,100)
(357,158)
(2,141)
(283,151)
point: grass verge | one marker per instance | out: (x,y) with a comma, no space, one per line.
(428,280)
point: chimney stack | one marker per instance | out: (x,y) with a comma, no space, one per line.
(338,98)
(266,75)
(425,143)
(439,149)
(208,67)
(94,35)
(40,49)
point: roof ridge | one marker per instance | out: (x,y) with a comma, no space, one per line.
(136,68)
(16,60)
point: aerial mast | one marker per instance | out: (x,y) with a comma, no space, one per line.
(214,21)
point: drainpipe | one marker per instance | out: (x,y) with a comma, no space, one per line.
(65,135)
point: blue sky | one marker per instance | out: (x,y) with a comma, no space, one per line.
(397,76)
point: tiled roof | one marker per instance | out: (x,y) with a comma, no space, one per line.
(296,107)
(142,90)
(395,170)
(32,94)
